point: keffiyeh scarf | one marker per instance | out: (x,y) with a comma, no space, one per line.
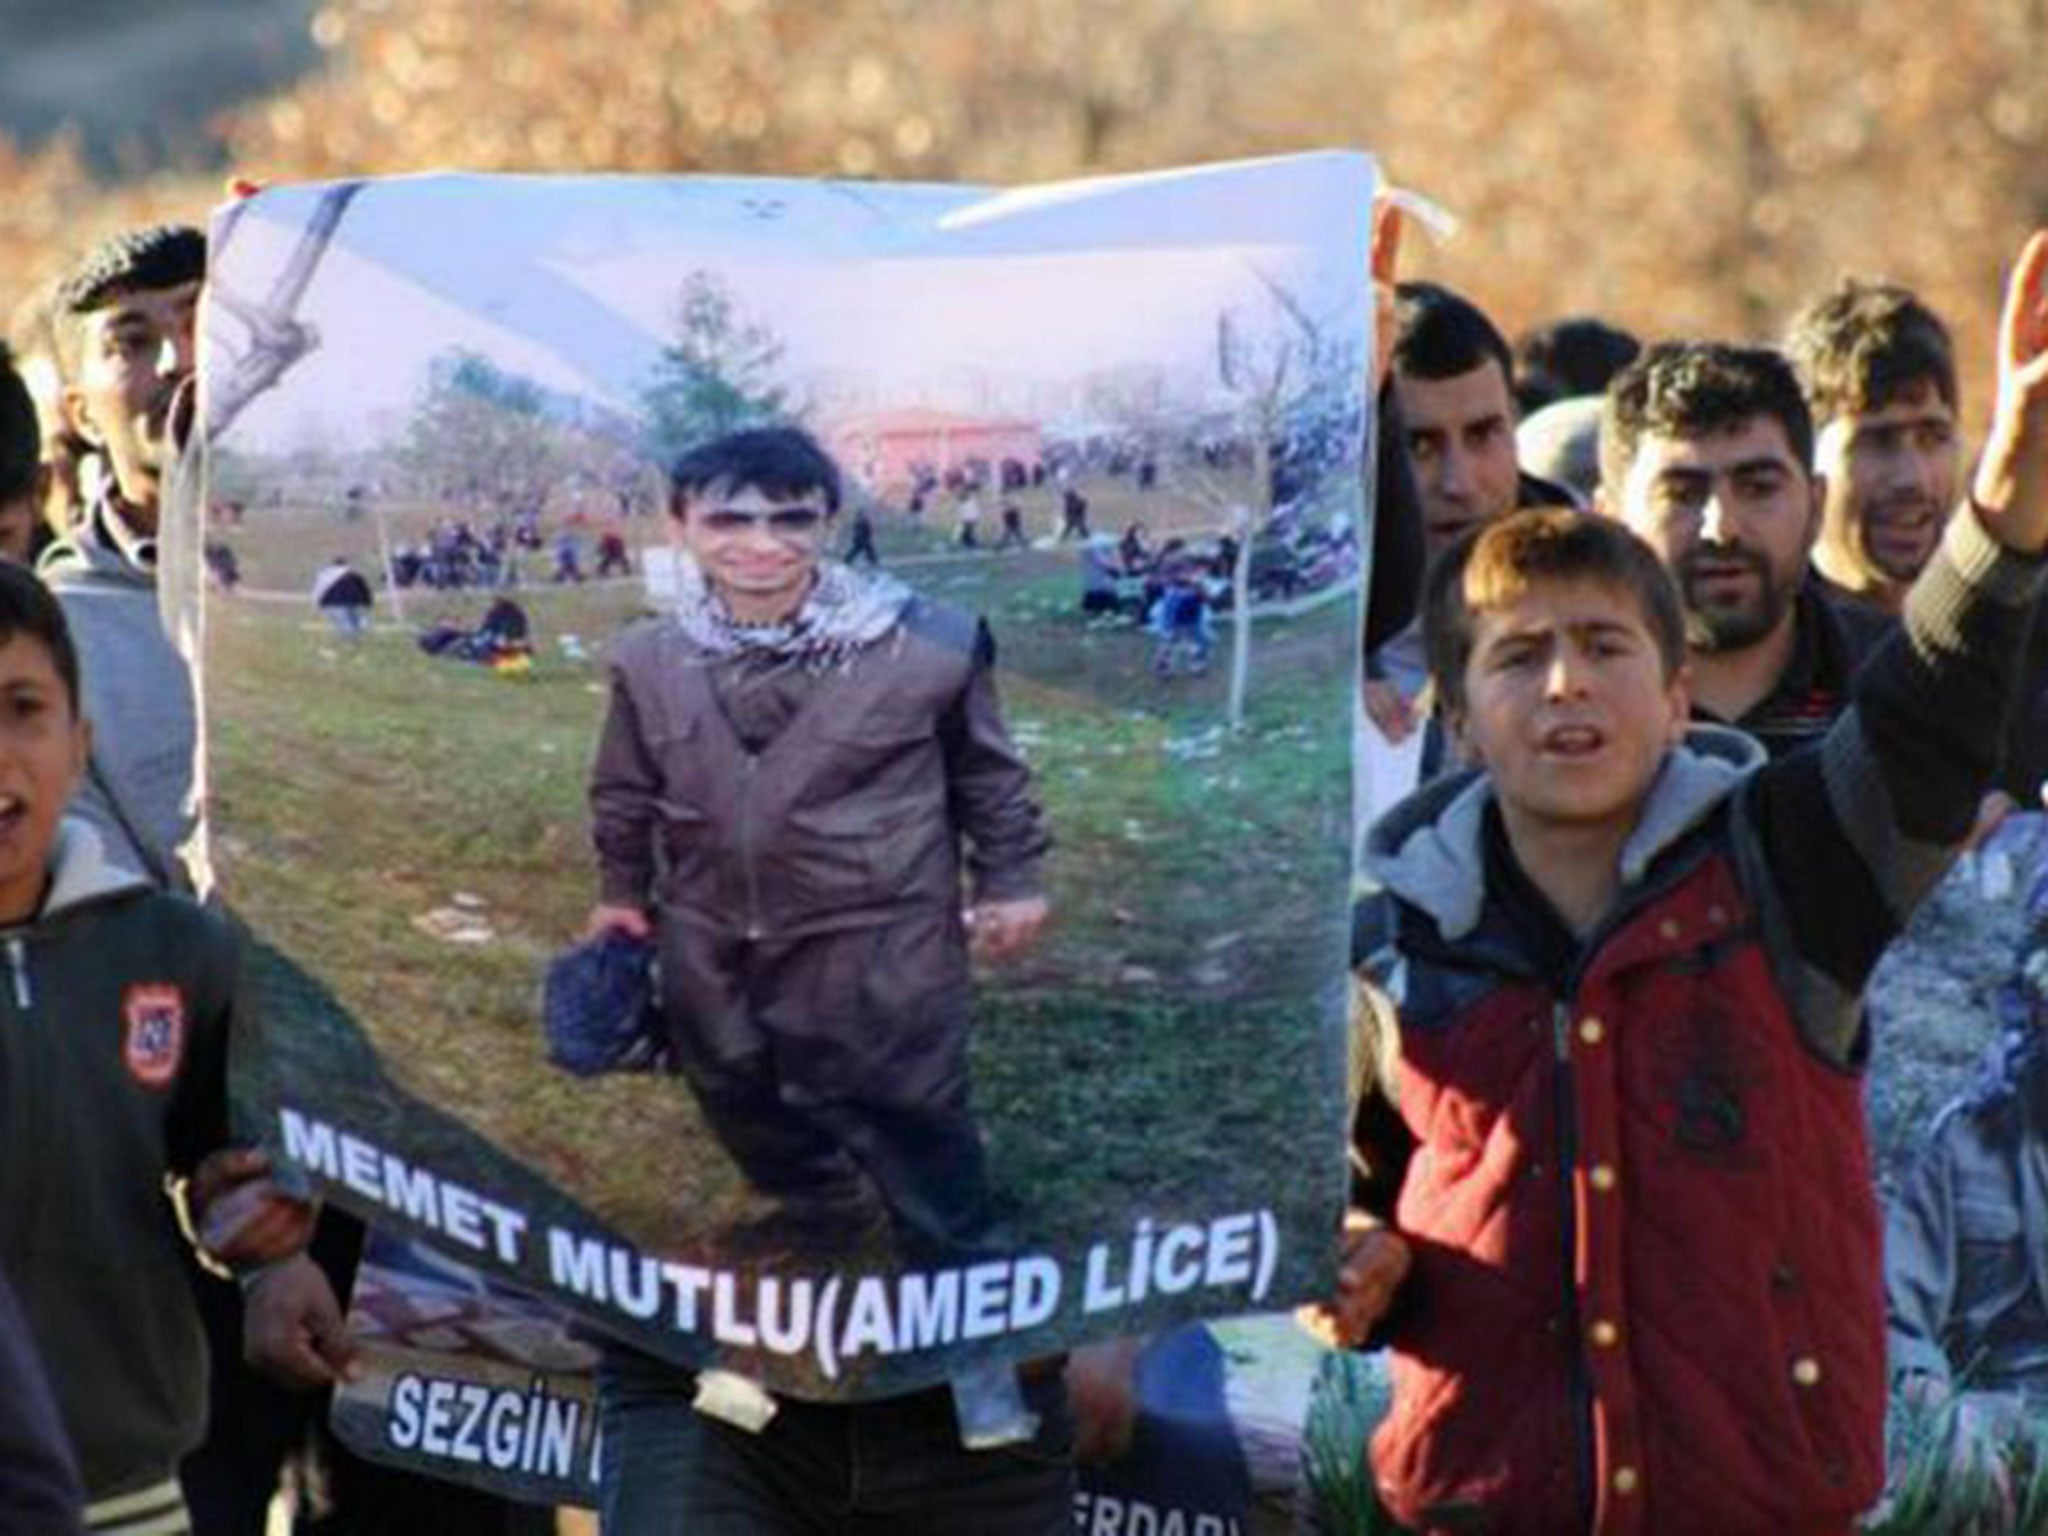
(845,612)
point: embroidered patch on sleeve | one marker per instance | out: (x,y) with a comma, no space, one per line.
(153,1032)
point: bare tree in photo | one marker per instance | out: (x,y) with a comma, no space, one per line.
(1295,385)
(482,436)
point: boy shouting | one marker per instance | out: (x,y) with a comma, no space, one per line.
(115,1005)
(1628,1261)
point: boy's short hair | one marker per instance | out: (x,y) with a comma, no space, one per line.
(133,261)
(1439,334)
(1695,389)
(27,607)
(1864,344)
(782,462)
(21,437)
(1496,564)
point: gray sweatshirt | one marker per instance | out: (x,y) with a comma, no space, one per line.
(137,692)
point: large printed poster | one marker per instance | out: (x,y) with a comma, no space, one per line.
(989,993)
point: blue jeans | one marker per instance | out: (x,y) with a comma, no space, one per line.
(894,1465)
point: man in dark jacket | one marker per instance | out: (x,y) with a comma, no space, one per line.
(1706,451)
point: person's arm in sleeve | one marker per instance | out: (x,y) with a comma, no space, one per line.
(1936,725)
(989,792)
(624,784)
(1373,1258)
(233,1209)
(1852,835)
(1920,1265)
(39,1489)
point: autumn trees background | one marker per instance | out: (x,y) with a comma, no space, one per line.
(1676,165)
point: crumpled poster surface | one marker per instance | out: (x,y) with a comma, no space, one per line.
(467,391)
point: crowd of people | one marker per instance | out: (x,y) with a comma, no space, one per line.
(1721,658)
(454,556)
(1718,662)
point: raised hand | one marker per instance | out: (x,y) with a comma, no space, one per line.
(1386,266)
(2011,486)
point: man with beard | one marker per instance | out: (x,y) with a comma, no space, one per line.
(1705,451)
(1880,376)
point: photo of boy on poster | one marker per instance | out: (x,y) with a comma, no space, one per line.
(791,761)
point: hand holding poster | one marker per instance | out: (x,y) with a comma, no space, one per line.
(1238,1427)
(996,896)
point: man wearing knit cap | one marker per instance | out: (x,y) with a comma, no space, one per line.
(124,328)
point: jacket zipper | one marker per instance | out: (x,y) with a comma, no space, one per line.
(748,765)
(17,965)
(29,1055)
(1590,947)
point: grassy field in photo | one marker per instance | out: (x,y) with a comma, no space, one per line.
(1171,1046)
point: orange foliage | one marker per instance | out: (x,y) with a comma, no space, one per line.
(1677,165)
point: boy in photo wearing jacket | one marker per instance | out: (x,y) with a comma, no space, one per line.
(803,774)
(799,761)
(1623,1240)
(116,1002)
